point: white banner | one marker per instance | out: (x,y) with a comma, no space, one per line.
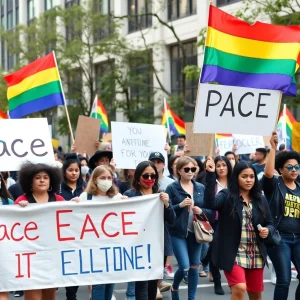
(236,110)
(248,143)
(69,244)
(24,140)
(133,143)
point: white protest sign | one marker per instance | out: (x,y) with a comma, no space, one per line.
(224,144)
(247,143)
(132,143)
(69,244)
(236,110)
(24,140)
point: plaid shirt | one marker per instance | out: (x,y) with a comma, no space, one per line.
(248,255)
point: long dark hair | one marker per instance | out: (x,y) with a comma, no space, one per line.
(228,164)
(234,188)
(3,191)
(138,173)
(170,164)
(67,163)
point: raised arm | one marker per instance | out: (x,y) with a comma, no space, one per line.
(270,165)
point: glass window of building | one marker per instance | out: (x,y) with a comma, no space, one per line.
(181,8)
(30,11)
(17,12)
(226,2)
(71,32)
(137,10)
(49,4)
(177,66)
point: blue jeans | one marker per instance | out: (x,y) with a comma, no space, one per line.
(102,291)
(203,252)
(281,257)
(187,253)
(130,292)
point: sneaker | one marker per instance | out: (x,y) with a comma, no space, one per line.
(19,294)
(158,295)
(168,273)
(113,297)
(175,295)
(164,286)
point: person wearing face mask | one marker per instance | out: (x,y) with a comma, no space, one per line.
(101,188)
(145,182)
(283,194)
(72,186)
(84,168)
(231,157)
(186,195)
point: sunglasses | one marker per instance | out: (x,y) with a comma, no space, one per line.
(187,170)
(291,168)
(149,176)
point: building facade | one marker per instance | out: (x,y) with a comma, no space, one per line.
(187,17)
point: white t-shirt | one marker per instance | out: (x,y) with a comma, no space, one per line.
(83,197)
(220,187)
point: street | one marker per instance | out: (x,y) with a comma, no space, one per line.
(205,291)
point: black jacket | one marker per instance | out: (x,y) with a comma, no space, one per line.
(228,236)
(67,193)
(274,189)
(177,194)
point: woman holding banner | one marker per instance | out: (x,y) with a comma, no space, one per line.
(244,223)
(39,182)
(145,182)
(186,195)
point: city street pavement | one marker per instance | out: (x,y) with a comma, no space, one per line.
(205,291)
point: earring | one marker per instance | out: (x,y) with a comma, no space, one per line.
(50,189)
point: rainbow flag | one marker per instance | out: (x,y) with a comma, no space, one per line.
(177,126)
(34,88)
(285,128)
(3,115)
(261,55)
(99,112)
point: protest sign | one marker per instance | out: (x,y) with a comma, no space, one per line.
(247,143)
(107,138)
(224,143)
(267,140)
(198,144)
(236,110)
(87,134)
(69,244)
(133,143)
(24,140)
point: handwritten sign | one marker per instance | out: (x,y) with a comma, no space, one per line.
(236,110)
(87,133)
(198,143)
(133,143)
(247,143)
(83,244)
(24,140)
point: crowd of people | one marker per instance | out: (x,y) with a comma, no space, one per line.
(251,201)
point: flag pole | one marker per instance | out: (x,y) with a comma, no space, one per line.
(167,119)
(284,134)
(94,105)
(65,103)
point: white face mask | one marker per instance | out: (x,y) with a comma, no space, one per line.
(104,185)
(84,170)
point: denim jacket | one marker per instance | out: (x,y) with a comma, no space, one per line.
(177,194)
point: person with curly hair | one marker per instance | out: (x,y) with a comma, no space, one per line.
(40,183)
(283,194)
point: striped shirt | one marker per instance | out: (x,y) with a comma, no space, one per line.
(248,255)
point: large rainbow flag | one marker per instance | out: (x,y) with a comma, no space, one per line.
(99,112)
(3,115)
(34,88)
(177,126)
(285,128)
(261,55)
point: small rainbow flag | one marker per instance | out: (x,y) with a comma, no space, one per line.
(285,128)
(3,115)
(175,124)
(34,88)
(263,56)
(99,112)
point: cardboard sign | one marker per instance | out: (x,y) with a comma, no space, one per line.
(87,133)
(132,143)
(84,243)
(236,110)
(107,138)
(247,143)
(24,140)
(198,143)
(267,140)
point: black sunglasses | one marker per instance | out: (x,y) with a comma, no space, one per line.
(149,176)
(187,169)
(291,168)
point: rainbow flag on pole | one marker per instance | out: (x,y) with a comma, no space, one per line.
(34,88)
(3,115)
(99,112)
(261,55)
(171,121)
(285,128)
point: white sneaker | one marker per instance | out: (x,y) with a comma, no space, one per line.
(168,274)
(113,297)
